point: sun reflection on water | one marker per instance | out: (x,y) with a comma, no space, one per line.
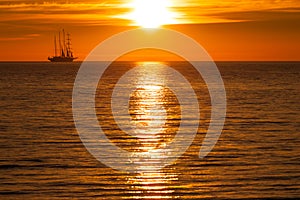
(148,106)
(150,110)
(152,185)
(148,113)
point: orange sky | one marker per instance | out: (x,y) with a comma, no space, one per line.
(249,30)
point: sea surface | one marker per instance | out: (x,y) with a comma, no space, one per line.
(257,155)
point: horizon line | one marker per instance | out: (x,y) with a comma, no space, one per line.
(78,61)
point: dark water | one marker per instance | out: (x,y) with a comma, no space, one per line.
(257,155)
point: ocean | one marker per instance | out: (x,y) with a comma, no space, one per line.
(257,155)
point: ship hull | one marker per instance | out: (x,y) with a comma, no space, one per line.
(61,59)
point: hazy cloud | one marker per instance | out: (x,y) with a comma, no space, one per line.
(24,37)
(107,12)
(16,15)
(78,11)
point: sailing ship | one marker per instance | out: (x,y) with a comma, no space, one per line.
(64,52)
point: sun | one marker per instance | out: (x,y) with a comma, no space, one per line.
(151,13)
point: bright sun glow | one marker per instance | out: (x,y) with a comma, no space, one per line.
(151,13)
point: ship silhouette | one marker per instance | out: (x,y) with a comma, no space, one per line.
(64,52)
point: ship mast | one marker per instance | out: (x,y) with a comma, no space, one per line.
(69,52)
(62,46)
(55,48)
(64,42)
(59,41)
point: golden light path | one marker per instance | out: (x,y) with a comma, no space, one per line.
(151,13)
(149,122)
